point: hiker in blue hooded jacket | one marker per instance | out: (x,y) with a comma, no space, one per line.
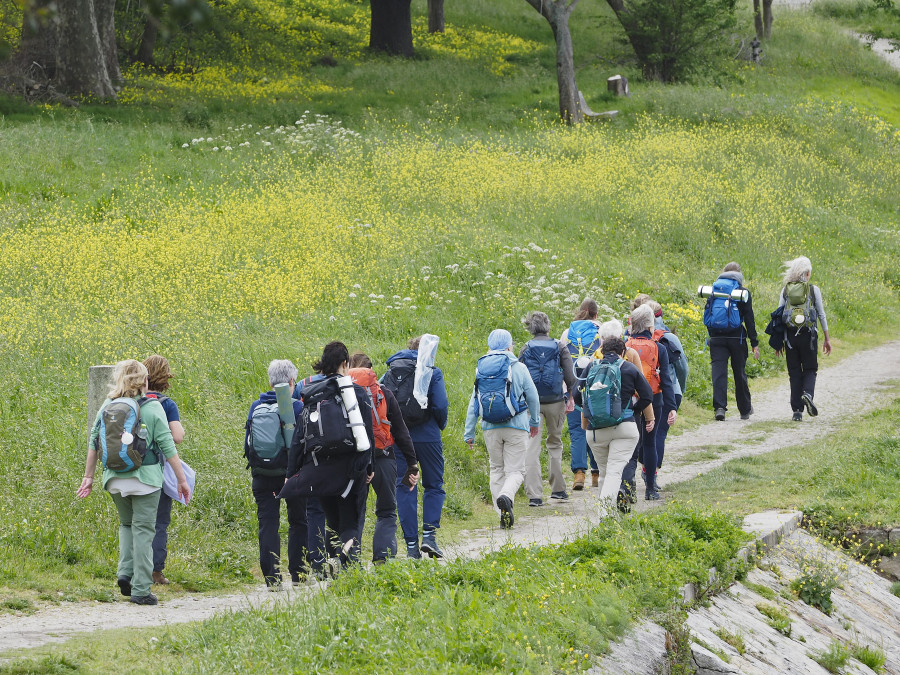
(425,432)
(506,400)
(731,343)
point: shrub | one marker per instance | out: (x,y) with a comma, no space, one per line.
(815,584)
(832,659)
(733,639)
(776,618)
(869,656)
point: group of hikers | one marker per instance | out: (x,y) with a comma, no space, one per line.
(319,444)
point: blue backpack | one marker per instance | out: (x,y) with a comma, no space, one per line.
(493,386)
(722,313)
(541,357)
(602,395)
(583,338)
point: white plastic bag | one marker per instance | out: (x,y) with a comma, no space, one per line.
(428,345)
(170,482)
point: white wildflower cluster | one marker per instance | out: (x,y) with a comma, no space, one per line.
(309,134)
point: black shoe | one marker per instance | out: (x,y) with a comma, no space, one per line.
(412,550)
(562,495)
(623,502)
(651,495)
(430,546)
(535,502)
(798,416)
(124,586)
(148,599)
(746,415)
(810,406)
(720,414)
(630,491)
(505,505)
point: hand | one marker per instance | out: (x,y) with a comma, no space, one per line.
(779,352)
(535,431)
(756,353)
(184,491)
(673,415)
(471,443)
(649,426)
(570,404)
(413,480)
(87,484)
(370,477)
(411,477)
(826,347)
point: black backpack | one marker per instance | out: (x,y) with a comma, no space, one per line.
(324,423)
(399,380)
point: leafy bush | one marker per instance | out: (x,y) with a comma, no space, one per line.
(815,584)
(869,656)
(832,659)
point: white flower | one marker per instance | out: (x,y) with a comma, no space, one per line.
(185,145)
(228,147)
(351,295)
(331,318)
(216,149)
(356,286)
(209,140)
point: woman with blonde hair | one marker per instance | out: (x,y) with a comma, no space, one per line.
(134,491)
(802,308)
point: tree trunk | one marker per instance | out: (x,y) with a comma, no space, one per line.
(391,28)
(80,60)
(38,44)
(435,16)
(767,19)
(106,28)
(650,70)
(557,13)
(148,41)
(758,20)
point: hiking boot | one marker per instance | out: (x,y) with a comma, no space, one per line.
(535,502)
(124,586)
(746,415)
(595,479)
(412,550)
(798,416)
(810,406)
(623,502)
(505,505)
(630,491)
(720,414)
(430,546)
(562,496)
(160,578)
(578,481)
(651,495)
(148,599)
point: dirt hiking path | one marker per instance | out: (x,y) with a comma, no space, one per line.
(852,387)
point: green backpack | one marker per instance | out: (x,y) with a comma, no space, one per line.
(798,309)
(602,395)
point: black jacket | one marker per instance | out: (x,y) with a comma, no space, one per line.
(747,329)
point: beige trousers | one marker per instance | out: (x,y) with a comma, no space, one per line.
(553,416)
(612,448)
(506,452)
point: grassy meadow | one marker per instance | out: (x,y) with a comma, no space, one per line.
(284,188)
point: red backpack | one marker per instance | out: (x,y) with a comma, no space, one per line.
(648,350)
(366,378)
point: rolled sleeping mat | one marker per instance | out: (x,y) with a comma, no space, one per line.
(351,405)
(737,295)
(285,410)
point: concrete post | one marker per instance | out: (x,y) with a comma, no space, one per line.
(100,379)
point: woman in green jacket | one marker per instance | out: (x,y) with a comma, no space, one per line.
(136,493)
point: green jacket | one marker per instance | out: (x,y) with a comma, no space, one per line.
(158,436)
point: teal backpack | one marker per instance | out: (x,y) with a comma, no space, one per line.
(601,395)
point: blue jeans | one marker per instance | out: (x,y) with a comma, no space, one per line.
(161,539)
(662,431)
(578,443)
(431,466)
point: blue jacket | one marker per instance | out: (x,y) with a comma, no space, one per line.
(267,397)
(680,369)
(438,404)
(522,385)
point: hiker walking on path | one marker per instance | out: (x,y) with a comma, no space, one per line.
(550,366)
(609,415)
(730,324)
(159,375)
(128,434)
(425,426)
(391,435)
(655,365)
(331,454)
(802,307)
(582,339)
(678,368)
(266,451)
(506,400)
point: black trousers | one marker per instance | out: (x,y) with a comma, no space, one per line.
(802,359)
(720,350)
(342,519)
(268,513)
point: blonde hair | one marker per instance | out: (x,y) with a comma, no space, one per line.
(129,379)
(158,372)
(797,269)
(639,300)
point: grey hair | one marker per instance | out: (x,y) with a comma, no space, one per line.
(537,323)
(797,269)
(642,319)
(611,329)
(282,371)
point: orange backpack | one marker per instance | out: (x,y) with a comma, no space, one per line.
(366,378)
(648,350)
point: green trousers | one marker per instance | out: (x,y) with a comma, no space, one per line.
(137,527)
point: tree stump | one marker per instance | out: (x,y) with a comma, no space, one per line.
(618,85)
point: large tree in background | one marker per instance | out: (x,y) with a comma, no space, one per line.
(435,16)
(391,28)
(557,13)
